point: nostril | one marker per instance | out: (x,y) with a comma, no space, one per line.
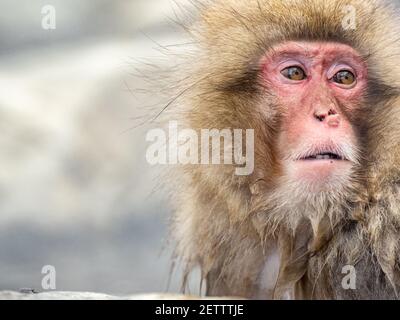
(320,115)
(332,112)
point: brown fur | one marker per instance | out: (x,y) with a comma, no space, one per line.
(227,224)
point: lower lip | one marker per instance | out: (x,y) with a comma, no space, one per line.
(331,160)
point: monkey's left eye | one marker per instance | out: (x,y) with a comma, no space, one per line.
(344,77)
(294,73)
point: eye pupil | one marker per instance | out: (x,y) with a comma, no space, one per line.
(294,73)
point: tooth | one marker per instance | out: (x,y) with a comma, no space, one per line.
(326,156)
(319,157)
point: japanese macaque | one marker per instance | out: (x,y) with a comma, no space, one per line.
(319,217)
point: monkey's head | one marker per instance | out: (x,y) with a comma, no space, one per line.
(314,79)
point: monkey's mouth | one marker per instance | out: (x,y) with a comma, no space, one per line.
(328,151)
(322,166)
(324,156)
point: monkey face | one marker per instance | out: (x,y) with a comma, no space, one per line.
(317,86)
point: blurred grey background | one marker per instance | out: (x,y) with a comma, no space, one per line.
(75,189)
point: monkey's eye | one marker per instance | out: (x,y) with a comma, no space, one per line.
(344,77)
(294,73)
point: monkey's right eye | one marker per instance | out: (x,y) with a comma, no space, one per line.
(294,73)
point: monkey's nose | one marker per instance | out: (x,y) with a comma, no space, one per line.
(330,117)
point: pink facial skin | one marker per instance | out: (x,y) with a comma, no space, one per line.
(314,109)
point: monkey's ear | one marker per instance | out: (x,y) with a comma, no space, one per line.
(294,258)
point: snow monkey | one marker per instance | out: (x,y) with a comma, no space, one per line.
(319,83)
